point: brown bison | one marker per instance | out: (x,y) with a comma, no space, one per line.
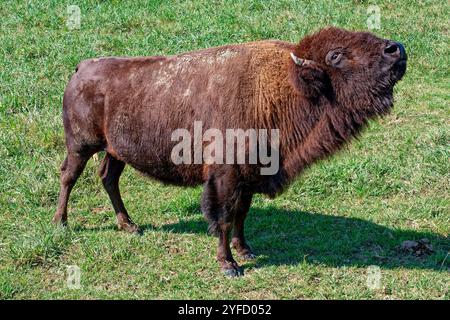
(318,93)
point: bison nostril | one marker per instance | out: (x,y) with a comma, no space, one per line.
(391,48)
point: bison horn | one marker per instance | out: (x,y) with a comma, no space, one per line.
(297,60)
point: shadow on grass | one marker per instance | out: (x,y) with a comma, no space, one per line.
(282,237)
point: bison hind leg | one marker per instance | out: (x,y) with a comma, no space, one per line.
(110,171)
(71,169)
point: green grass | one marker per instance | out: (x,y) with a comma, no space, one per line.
(314,241)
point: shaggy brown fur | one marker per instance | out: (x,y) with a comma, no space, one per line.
(129,107)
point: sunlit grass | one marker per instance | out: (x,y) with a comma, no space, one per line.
(315,241)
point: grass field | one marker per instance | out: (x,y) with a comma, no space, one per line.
(317,240)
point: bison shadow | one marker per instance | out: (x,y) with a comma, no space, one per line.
(283,237)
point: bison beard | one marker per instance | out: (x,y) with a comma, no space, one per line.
(319,94)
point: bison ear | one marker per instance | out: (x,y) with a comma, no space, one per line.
(307,77)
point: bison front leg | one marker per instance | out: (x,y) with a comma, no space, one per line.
(238,239)
(220,199)
(226,261)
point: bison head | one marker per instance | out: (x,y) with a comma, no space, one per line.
(356,70)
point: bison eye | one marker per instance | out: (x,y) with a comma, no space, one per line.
(333,58)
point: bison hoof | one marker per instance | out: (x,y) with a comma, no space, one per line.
(248,256)
(130,228)
(59,221)
(232,270)
(232,273)
(244,251)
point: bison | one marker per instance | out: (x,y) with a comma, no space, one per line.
(318,93)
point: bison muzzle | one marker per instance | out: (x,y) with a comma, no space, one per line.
(318,93)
